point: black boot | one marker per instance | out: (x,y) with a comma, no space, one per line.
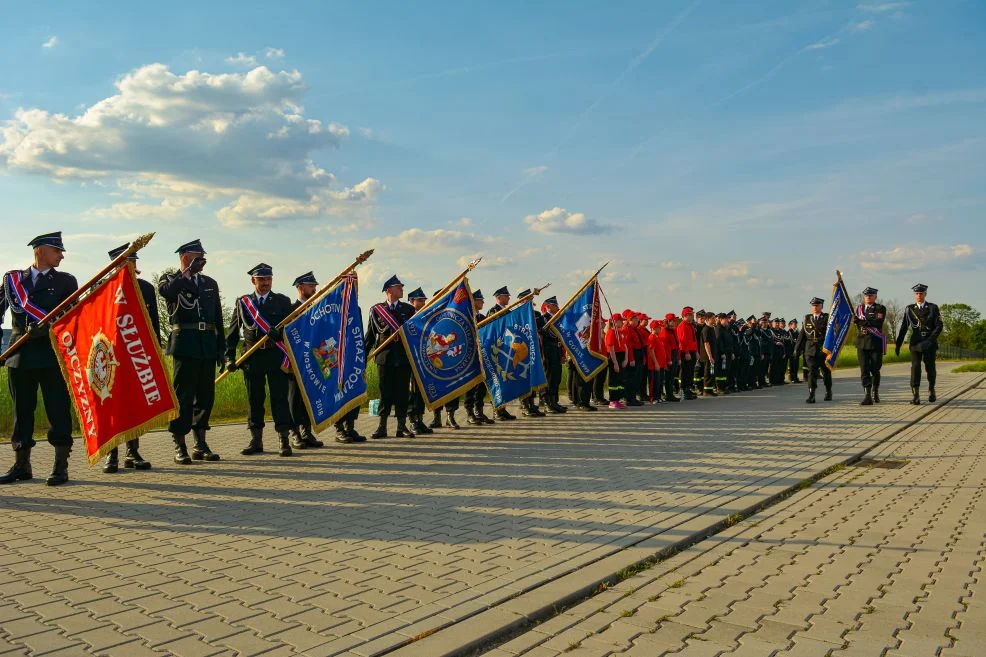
(133,459)
(201,451)
(352,433)
(554,407)
(529,409)
(916,395)
(296,441)
(828,395)
(436,420)
(285,437)
(403,431)
(342,436)
(256,445)
(112,463)
(450,422)
(309,438)
(868,399)
(811,396)
(419,427)
(932,397)
(21,470)
(503,415)
(59,473)
(181,451)
(471,417)
(381,431)
(876,394)
(482,417)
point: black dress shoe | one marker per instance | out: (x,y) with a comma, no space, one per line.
(472,418)
(503,415)
(419,427)
(403,431)
(932,397)
(436,421)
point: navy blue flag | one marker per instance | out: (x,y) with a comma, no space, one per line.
(511,354)
(840,319)
(328,356)
(579,324)
(441,340)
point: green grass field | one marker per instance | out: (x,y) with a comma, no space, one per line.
(231,404)
(978,366)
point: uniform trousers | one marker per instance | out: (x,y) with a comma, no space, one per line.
(928,358)
(261,378)
(394,382)
(299,414)
(870,362)
(688,371)
(816,363)
(599,386)
(195,387)
(23,384)
(617,390)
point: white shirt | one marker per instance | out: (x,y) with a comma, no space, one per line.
(262,299)
(921,306)
(35,272)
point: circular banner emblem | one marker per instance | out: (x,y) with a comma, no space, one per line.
(450,348)
(101,368)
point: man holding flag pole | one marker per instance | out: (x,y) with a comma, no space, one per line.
(393,368)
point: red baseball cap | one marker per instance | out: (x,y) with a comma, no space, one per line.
(656,324)
(670,316)
(687,310)
(627,314)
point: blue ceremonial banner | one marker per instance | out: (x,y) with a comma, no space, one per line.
(511,354)
(441,340)
(328,357)
(579,324)
(840,319)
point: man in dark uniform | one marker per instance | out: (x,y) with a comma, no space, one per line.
(700,358)
(810,341)
(502,297)
(793,358)
(923,318)
(133,458)
(255,315)
(724,352)
(196,342)
(732,367)
(301,430)
(476,395)
(553,353)
(416,400)
(778,362)
(871,344)
(39,287)
(765,338)
(710,355)
(393,367)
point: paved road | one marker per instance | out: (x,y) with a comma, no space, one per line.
(357,550)
(867,562)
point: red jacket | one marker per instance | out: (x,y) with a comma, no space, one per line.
(614,340)
(656,345)
(686,337)
(670,340)
(631,338)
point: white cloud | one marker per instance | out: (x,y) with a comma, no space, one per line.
(671,265)
(236,138)
(274,53)
(242,59)
(461,221)
(610,276)
(50,43)
(438,239)
(673,287)
(827,42)
(489,262)
(863,26)
(915,257)
(882,7)
(732,270)
(167,208)
(560,220)
(534,172)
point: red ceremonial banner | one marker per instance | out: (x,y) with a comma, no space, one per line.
(113,365)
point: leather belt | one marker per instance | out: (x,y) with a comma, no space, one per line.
(194,326)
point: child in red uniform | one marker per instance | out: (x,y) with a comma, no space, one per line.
(635,357)
(617,360)
(672,377)
(657,360)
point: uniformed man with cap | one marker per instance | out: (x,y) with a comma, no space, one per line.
(302,437)
(31,294)
(725,353)
(527,405)
(553,352)
(871,344)
(196,342)
(133,458)
(923,318)
(502,297)
(393,367)
(752,334)
(765,337)
(701,358)
(732,366)
(416,400)
(710,357)
(793,359)
(262,371)
(811,338)
(686,333)
(476,396)
(778,362)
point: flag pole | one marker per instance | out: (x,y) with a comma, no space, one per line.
(393,336)
(115,264)
(574,296)
(518,302)
(360,259)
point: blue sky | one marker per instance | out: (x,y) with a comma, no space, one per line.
(724,154)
